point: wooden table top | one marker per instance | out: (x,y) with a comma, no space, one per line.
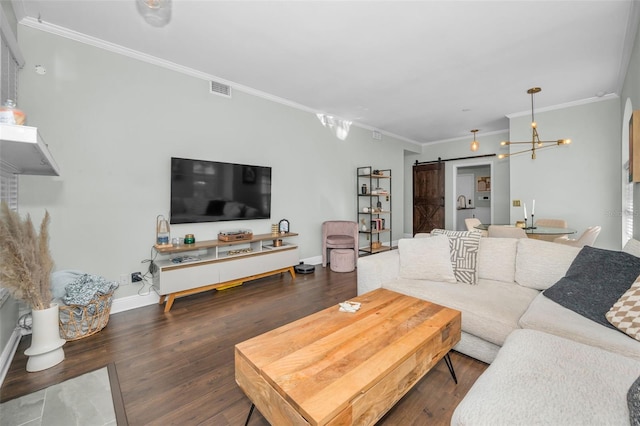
(321,363)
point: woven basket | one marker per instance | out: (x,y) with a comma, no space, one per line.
(78,321)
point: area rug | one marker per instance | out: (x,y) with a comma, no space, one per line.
(91,399)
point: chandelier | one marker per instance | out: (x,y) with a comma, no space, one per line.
(536,143)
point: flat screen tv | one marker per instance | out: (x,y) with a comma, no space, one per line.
(211,191)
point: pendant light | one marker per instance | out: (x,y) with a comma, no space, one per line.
(475,144)
(536,143)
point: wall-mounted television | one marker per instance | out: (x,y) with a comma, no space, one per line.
(211,191)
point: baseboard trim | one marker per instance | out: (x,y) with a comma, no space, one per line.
(8,352)
(132,302)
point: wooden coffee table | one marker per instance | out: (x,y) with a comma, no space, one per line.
(336,367)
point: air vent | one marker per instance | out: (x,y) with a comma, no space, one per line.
(219,89)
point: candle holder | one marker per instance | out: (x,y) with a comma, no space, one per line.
(525,223)
(533,226)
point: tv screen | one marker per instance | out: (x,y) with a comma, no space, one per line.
(210,191)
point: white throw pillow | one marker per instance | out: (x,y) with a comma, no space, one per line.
(540,264)
(497,259)
(632,247)
(426,259)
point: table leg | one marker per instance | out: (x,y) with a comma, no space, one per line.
(447,360)
(250,413)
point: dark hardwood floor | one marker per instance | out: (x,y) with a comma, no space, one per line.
(178,367)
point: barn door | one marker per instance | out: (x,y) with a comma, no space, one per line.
(428,197)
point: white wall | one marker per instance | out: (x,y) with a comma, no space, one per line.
(113,122)
(631,92)
(579,182)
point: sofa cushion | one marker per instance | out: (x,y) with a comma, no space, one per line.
(625,313)
(595,281)
(464,252)
(548,316)
(541,379)
(490,309)
(540,264)
(497,259)
(426,259)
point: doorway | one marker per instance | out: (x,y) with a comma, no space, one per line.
(472,184)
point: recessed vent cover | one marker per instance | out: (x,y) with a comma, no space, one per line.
(219,89)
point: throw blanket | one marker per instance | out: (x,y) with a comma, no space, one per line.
(85,288)
(594,282)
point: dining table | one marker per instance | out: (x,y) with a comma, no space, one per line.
(538,232)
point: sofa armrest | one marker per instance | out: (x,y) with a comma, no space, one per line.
(376,269)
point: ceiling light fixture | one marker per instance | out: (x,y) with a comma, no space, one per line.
(536,143)
(155,12)
(339,126)
(475,144)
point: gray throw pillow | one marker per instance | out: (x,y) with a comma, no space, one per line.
(594,282)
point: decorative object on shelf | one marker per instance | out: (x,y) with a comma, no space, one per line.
(25,271)
(338,125)
(10,114)
(277,243)
(364,225)
(189,239)
(274,229)
(475,144)
(536,143)
(241,251)
(236,234)
(283,226)
(162,232)
(363,190)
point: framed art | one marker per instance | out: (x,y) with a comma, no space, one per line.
(634,147)
(483,183)
(283,226)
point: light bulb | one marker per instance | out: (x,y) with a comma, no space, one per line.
(474,146)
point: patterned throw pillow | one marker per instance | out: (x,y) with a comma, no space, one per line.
(463,246)
(625,313)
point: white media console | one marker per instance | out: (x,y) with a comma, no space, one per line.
(214,264)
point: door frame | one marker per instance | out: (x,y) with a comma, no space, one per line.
(451,191)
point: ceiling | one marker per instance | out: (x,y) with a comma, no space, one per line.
(422,70)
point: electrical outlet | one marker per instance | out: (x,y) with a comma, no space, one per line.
(136,277)
(124,279)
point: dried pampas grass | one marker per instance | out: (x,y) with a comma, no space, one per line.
(25,261)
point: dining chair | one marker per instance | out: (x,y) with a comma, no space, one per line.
(502,231)
(552,223)
(472,222)
(588,238)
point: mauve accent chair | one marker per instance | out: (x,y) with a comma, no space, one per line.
(339,234)
(588,238)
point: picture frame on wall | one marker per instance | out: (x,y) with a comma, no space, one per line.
(634,147)
(483,184)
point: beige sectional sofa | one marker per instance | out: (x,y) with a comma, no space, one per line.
(506,304)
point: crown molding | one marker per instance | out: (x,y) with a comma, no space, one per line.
(125,51)
(566,105)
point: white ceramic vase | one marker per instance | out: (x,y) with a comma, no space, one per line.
(46,345)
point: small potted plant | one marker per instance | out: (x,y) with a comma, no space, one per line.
(25,270)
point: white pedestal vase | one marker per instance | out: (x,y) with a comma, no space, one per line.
(46,345)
